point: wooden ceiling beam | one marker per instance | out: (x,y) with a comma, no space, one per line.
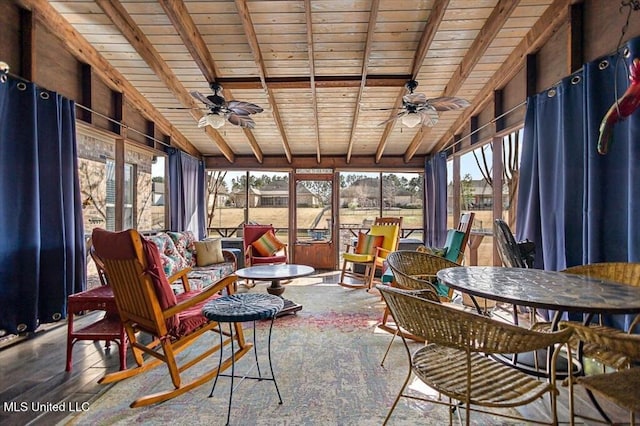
(492,26)
(361,163)
(312,75)
(85,52)
(179,16)
(373,17)
(250,32)
(319,82)
(548,24)
(428,34)
(134,35)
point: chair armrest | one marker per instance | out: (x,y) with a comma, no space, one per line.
(226,283)
(380,251)
(181,275)
(230,257)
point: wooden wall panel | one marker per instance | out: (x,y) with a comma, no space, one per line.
(484,117)
(552,60)
(56,68)
(600,41)
(513,94)
(135,120)
(101,103)
(10,49)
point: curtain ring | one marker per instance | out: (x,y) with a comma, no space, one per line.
(576,79)
(44,95)
(3,332)
(626,52)
(56,316)
(21,86)
(603,65)
(21,327)
(3,78)
(551,93)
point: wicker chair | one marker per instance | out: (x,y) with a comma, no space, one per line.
(456,364)
(622,272)
(620,387)
(413,271)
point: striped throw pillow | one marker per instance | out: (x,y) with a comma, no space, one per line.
(367,243)
(268,244)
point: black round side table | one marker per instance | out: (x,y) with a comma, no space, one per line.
(243,307)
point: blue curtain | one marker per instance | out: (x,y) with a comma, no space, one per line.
(186,189)
(435,188)
(42,248)
(576,205)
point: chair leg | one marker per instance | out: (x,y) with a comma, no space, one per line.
(388,348)
(344,269)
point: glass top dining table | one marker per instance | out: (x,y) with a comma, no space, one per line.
(536,288)
(544,289)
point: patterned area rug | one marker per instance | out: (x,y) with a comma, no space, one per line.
(326,361)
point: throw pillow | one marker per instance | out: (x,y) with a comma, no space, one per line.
(268,244)
(367,243)
(208,252)
(437,251)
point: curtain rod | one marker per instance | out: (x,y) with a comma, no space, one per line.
(493,120)
(4,72)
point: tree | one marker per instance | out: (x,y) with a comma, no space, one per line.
(466,191)
(215,183)
(510,170)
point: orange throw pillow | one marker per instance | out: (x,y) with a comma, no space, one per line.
(367,243)
(268,244)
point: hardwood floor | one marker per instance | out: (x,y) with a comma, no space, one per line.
(35,389)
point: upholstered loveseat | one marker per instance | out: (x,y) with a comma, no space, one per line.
(179,250)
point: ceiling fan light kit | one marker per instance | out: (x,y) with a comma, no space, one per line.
(412,119)
(214,120)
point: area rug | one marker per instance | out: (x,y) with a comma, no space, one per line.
(327,365)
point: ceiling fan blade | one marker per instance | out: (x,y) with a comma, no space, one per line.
(395,117)
(241,120)
(429,117)
(415,98)
(448,103)
(243,108)
(183,108)
(202,98)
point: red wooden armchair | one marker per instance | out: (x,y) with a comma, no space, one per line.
(147,303)
(261,246)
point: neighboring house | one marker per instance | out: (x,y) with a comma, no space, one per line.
(275,194)
(481,194)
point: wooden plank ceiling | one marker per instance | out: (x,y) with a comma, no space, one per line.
(321,69)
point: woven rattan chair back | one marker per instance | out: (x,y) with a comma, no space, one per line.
(414,270)
(455,361)
(622,272)
(620,387)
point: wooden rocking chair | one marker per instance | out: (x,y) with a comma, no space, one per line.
(146,303)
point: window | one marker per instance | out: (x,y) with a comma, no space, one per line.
(129,197)
(110,173)
(231,202)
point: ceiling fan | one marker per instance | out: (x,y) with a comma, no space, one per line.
(235,112)
(417,109)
